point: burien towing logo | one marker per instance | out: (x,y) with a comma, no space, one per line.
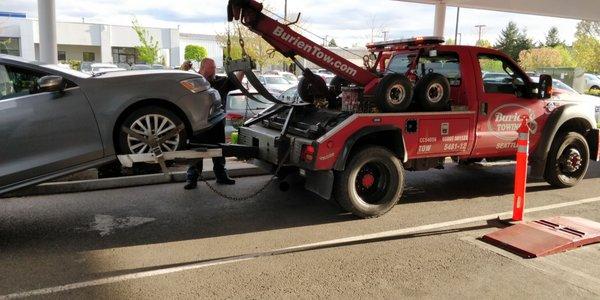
(507,119)
(313,50)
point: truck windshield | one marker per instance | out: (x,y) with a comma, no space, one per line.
(446,64)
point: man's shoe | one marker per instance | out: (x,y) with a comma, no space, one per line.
(191,184)
(225,180)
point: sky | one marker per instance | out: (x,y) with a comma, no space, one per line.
(349,22)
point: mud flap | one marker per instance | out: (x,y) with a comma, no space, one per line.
(320,183)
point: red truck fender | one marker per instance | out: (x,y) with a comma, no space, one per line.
(571,117)
(388,136)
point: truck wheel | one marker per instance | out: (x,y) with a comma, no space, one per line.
(568,160)
(394,93)
(433,92)
(371,184)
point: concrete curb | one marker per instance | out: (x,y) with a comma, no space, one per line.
(123,182)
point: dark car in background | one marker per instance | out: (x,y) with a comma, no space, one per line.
(56,121)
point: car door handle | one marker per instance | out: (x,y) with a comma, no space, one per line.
(483,110)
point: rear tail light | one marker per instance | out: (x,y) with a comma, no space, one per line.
(234,117)
(308,153)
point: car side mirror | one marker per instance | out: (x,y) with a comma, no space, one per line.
(51,83)
(545,87)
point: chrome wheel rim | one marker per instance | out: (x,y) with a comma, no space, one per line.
(152,125)
(396,94)
(435,92)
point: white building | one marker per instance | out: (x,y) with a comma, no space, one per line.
(99,42)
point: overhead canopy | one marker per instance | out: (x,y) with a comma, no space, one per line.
(573,9)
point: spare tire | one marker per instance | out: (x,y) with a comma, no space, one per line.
(433,92)
(312,87)
(394,93)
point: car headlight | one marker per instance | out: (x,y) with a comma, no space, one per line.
(195,85)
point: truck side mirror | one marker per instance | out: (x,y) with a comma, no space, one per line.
(545,87)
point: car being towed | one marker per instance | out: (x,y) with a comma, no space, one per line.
(56,121)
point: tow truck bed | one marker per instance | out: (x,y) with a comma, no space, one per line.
(417,136)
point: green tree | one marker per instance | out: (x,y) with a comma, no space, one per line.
(195,53)
(484,44)
(256,47)
(586,47)
(552,38)
(534,59)
(512,41)
(148,51)
(332,43)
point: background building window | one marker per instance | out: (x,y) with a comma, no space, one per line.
(10,46)
(124,55)
(62,55)
(89,56)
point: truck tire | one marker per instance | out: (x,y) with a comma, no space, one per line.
(433,92)
(568,160)
(371,183)
(312,87)
(394,93)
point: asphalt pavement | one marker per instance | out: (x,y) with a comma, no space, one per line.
(163,242)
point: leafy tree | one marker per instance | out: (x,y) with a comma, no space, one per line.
(332,43)
(586,48)
(484,44)
(256,47)
(148,51)
(450,41)
(540,57)
(552,38)
(512,41)
(195,53)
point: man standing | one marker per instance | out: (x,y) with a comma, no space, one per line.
(216,135)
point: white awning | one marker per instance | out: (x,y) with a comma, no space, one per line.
(573,9)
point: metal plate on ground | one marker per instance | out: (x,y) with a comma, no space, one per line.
(546,237)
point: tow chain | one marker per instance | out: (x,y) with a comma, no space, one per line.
(253,194)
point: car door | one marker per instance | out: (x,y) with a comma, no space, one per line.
(503,99)
(42,132)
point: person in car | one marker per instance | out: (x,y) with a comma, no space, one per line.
(216,135)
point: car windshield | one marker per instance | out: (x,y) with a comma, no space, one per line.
(241,102)
(290,78)
(276,80)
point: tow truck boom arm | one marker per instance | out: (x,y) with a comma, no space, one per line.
(290,43)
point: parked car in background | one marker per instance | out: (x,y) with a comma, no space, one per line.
(557,85)
(293,79)
(101,68)
(275,84)
(592,83)
(291,95)
(56,121)
(240,108)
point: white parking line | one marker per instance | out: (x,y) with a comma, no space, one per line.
(305,247)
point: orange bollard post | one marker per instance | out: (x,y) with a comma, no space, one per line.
(521,170)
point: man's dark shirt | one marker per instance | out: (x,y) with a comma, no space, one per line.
(223,85)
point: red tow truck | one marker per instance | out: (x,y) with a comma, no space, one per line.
(359,157)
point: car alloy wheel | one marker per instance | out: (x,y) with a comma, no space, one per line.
(152,125)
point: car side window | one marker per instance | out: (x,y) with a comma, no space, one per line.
(499,75)
(17,82)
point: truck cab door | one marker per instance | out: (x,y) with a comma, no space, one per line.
(505,94)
